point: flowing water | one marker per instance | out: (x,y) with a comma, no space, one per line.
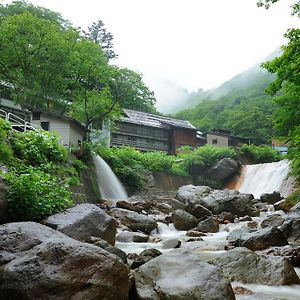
(265,178)
(109,185)
(256,179)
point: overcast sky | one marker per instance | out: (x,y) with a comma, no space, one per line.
(184,43)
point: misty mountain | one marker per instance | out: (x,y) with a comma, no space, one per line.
(239,105)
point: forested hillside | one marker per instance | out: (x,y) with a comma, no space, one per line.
(239,105)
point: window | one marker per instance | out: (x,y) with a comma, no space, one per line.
(45,125)
(36,116)
(215,141)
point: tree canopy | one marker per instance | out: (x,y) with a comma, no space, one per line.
(53,66)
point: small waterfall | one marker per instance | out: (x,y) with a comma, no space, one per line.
(265,178)
(109,185)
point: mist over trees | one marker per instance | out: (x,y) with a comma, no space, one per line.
(53,66)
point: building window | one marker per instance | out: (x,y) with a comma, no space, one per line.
(215,141)
(45,125)
(36,116)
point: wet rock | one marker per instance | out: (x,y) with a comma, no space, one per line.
(252,224)
(83,221)
(165,278)
(296,208)
(192,194)
(244,265)
(127,205)
(218,201)
(211,224)
(272,221)
(144,257)
(283,205)
(223,169)
(164,208)
(38,262)
(134,220)
(130,236)
(270,198)
(259,240)
(198,211)
(291,227)
(195,233)
(182,220)
(175,204)
(245,219)
(111,249)
(239,290)
(171,243)
(226,216)
(292,253)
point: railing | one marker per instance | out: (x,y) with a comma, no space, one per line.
(17,123)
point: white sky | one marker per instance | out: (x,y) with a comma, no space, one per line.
(184,43)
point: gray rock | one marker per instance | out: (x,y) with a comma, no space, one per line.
(180,275)
(272,221)
(134,220)
(144,257)
(182,220)
(241,264)
(83,221)
(291,227)
(127,205)
(295,208)
(225,217)
(171,243)
(218,201)
(270,198)
(211,224)
(223,169)
(198,211)
(259,240)
(130,236)
(109,248)
(40,263)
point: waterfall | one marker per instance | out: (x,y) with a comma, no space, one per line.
(109,185)
(265,178)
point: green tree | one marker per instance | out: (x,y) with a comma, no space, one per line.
(129,90)
(99,35)
(34,59)
(267,3)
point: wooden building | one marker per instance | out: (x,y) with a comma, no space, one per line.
(149,132)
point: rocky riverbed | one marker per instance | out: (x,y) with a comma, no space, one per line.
(197,243)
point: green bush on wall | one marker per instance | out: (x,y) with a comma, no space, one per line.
(260,154)
(33,194)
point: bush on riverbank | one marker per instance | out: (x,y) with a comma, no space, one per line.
(259,154)
(39,173)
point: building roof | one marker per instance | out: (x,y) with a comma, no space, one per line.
(56,115)
(152,120)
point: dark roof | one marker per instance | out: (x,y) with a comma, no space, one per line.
(152,120)
(56,115)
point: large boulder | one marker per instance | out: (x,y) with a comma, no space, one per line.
(223,169)
(37,262)
(218,201)
(133,220)
(241,264)
(180,275)
(83,221)
(270,198)
(210,224)
(273,220)
(291,227)
(182,220)
(198,211)
(259,239)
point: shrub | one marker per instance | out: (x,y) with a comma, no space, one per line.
(5,153)
(4,129)
(33,194)
(37,147)
(260,154)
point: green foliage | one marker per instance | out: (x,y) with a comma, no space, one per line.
(4,129)
(259,154)
(5,153)
(38,147)
(33,194)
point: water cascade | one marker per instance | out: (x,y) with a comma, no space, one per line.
(265,178)
(109,185)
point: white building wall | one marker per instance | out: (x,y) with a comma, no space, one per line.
(217,140)
(76,135)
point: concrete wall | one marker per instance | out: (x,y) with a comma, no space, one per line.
(222,141)
(170,182)
(76,134)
